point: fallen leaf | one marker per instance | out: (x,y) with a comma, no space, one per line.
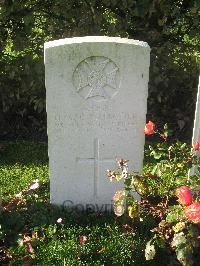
(26,260)
(82,239)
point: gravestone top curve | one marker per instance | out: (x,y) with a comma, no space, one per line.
(93,39)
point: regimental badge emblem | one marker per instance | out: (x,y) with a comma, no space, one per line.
(97,78)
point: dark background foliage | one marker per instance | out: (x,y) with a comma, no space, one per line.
(171,28)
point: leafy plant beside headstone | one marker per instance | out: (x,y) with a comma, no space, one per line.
(178,230)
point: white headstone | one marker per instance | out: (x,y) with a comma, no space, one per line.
(96,90)
(196,128)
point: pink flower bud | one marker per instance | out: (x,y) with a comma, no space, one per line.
(196,146)
(30,248)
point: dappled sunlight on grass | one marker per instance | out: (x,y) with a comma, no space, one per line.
(21,163)
(30,233)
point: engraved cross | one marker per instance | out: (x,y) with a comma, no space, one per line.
(96,162)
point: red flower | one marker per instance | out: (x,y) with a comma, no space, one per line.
(192,212)
(83,240)
(149,128)
(184,195)
(196,146)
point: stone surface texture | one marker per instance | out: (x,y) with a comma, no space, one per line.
(96,89)
(196,128)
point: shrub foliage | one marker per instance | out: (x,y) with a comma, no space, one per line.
(170,28)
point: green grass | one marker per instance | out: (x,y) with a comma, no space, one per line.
(109,242)
(20,164)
